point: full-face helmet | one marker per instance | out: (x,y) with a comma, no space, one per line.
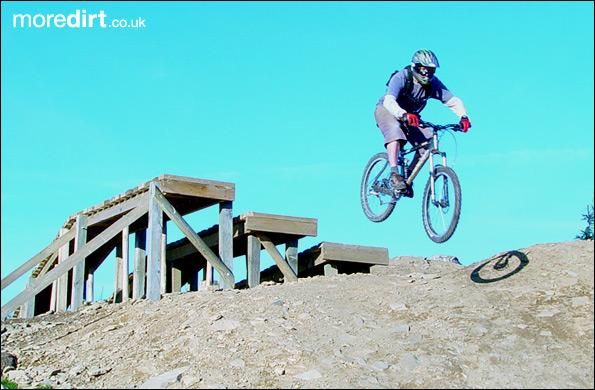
(424,63)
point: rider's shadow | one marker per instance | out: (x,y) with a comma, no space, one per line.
(500,267)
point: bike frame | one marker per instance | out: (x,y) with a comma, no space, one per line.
(431,150)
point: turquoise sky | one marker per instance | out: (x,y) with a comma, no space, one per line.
(278,98)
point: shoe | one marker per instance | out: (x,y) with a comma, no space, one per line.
(397,181)
(408,193)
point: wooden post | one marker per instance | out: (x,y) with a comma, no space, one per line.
(78,272)
(118,265)
(193,281)
(140,264)
(226,239)
(89,288)
(125,261)
(291,254)
(164,267)
(176,278)
(253,261)
(208,274)
(62,292)
(330,269)
(154,232)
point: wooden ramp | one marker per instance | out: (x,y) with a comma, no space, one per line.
(63,271)
(252,232)
(330,258)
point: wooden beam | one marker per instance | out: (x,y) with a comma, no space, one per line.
(78,273)
(284,267)
(253,261)
(154,232)
(67,265)
(226,237)
(44,253)
(203,249)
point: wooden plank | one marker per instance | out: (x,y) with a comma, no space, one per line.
(288,273)
(154,232)
(44,253)
(353,253)
(78,273)
(125,261)
(62,294)
(187,230)
(253,261)
(226,237)
(210,189)
(78,256)
(273,223)
(140,261)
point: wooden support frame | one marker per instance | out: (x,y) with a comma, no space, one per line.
(225,273)
(77,257)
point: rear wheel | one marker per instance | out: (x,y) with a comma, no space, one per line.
(440,213)
(376,192)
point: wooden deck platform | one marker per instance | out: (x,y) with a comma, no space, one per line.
(252,231)
(330,258)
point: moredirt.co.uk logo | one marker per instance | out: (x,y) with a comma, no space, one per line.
(77,19)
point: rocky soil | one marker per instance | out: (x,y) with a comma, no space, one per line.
(520,319)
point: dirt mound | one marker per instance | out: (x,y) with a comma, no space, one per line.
(522,318)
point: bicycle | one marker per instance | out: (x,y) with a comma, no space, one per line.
(437,196)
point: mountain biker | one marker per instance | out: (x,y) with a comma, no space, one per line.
(397,112)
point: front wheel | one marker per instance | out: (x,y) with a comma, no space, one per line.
(442,208)
(376,193)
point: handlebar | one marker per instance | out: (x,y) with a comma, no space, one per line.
(450,126)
